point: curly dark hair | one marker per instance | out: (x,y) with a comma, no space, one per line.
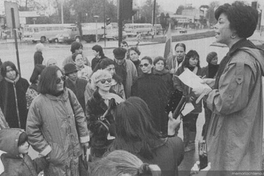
(243,18)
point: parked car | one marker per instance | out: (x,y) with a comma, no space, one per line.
(181,29)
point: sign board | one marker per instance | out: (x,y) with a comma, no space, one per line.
(8,7)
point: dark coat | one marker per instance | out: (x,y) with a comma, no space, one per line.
(9,102)
(78,89)
(166,77)
(95,108)
(152,90)
(38,58)
(95,61)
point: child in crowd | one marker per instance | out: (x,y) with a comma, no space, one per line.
(16,160)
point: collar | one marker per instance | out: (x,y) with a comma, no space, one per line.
(241,43)
(12,81)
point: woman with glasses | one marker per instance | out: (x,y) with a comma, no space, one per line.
(84,71)
(13,101)
(117,85)
(56,125)
(191,62)
(152,89)
(97,106)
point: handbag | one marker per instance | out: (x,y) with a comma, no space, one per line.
(83,163)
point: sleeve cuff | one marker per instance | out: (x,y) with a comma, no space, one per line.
(46,151)
(85,139)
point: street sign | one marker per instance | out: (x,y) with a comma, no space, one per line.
(8,7)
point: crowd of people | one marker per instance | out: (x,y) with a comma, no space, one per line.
(123,108)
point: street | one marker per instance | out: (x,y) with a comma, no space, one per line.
(61,51)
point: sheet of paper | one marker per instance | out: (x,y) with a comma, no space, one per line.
(192,80)
(187,109)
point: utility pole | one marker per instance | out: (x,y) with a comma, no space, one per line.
(154,18)
(104,26)
(62,20)
(120,22)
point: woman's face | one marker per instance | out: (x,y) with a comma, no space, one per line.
(104,84)
(159,65)
(214,60)
(223,32)
(60,81)
(133,55)
(145,66)
(111,69)
(79,60)
(73,76)
(193,61)
(95,53)
(10,73)
(180,53)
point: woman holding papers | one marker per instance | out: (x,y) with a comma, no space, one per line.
(192,63)
(234,137)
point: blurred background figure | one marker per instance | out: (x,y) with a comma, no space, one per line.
(51,62)
(13,96)
(76,48)
(209,71)
(98,55)
(191,62)
(77,85)
(84,71)
(125,69)
(125,45)
(174,62)
(32,90)
(120,162)
(38,57)
(133,54)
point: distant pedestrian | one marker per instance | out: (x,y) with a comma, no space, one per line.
(13,96)
(32,90)
(77,85)
(98,55)
(38,56)
(125,69)
(174,62)
(76,47)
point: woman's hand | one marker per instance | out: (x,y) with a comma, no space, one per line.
(173,124)
(209,81)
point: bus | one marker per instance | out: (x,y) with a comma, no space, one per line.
(45,32)
(133,29)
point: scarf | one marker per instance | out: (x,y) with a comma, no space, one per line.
(241,43)
(136,63)
(162,72)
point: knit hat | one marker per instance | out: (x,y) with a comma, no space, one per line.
(36,72)
(157,59)
(69,68)
(119,53)
(210,56)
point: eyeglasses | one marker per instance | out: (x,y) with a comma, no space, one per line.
(145,65)
(103,81)
(58,80)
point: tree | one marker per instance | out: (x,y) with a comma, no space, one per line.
(179,10)
(210,13)
(146,10)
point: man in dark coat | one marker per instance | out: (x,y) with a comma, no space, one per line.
(77,85)
(38,58)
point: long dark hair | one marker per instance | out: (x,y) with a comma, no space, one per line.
(47,82)
(135,130)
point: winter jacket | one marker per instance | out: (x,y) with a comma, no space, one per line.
(166,77)
(51,129)
(13,101)
(78,89)
(16,164)
(38,58)
(235,133)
